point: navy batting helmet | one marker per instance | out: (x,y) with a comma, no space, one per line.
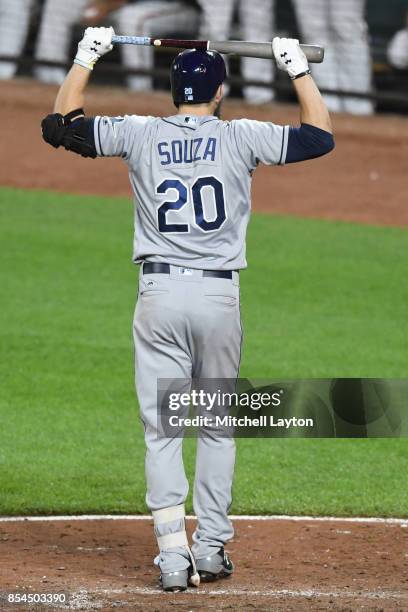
(196,75)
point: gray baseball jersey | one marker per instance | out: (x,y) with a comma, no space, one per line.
(191,178)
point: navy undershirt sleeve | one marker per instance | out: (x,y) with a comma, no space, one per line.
(308,142)
(80,137)
(85,127)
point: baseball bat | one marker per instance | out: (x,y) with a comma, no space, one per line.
(314,53)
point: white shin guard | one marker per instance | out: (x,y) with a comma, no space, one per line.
(174,540)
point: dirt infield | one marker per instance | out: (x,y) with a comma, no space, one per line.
(280,565)
(364,180)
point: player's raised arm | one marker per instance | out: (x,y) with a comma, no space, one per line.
(95,43)
(71,93)
(67,126)
(314,137)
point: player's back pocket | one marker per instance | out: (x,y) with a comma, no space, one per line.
(151,287)
(225,300)
(146,293)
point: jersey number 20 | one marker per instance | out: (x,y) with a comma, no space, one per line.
(199,214)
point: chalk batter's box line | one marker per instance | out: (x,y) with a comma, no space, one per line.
(376,594)
(239,517)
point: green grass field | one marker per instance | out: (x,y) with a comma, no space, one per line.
(320,299)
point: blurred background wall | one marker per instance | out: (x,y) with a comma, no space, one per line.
(365,70)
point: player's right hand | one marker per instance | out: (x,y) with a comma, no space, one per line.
(290,57)
(95,43)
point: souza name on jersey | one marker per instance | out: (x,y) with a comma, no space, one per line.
(187,151)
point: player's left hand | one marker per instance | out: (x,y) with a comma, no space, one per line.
(290,57)
(95,43)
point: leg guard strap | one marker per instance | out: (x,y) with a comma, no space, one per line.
(166,515)
(172,540)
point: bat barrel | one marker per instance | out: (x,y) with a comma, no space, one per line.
(314,53)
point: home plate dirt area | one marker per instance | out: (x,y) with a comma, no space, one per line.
(303,564)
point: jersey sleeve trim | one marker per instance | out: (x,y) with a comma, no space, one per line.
(284,149)
(97,136)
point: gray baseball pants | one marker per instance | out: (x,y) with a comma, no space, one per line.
(187,325)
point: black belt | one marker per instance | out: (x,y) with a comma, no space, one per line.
(164,268)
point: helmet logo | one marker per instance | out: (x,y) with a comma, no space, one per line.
(188,93)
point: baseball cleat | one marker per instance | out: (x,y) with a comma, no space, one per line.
(177,582)
(174,582)
(216,566)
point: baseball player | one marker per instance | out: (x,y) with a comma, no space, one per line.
(145,18)
(342,29)
(152,18)
(14,23)
(191,177)
(257,20)
(54,37)
(397,51)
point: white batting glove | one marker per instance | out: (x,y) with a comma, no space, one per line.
(95,43)
(290,57)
